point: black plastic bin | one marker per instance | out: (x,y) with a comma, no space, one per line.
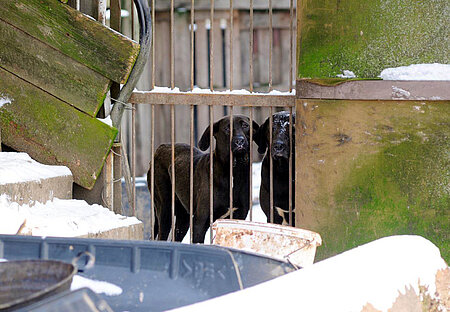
(154,276)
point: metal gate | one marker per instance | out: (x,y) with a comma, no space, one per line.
(211,33)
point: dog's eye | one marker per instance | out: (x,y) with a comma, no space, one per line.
(226,129)
(245,125)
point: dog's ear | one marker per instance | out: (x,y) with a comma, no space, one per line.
(203,144)
(255,129)
(260,137)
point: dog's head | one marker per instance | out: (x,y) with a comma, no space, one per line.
(240,141)
(280,146)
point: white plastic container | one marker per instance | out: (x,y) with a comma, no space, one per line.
(278,241)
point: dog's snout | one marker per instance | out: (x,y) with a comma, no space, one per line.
(239,141)
(278,147)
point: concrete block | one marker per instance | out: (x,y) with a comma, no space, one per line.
(130,232)
(26,181)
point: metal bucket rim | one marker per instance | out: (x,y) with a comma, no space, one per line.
(270,228)
(37,294)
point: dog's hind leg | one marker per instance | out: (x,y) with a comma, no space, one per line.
(165,223)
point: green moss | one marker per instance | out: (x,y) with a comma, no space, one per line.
(403,189)
(53,132)
(368,36)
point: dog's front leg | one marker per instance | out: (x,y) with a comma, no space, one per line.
(201,222)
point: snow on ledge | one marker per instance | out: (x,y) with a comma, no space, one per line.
(19,167)
(374,273)
(63,218)
(197,90)
(417,72)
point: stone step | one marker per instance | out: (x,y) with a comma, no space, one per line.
(26,181)
(67,218)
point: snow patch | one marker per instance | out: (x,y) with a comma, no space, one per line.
(347,74)
(417,72)
(19,167)
(399,93)
(63,218)
(106,120)
(99,287)
(123,13)
(197,90)
(373,273)
(4,100)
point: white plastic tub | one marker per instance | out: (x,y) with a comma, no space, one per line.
(282,242)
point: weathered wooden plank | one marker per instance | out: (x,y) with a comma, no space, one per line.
(214,99)
(374,90)
(51,131)
(222,4)
(74,34)
(51,70)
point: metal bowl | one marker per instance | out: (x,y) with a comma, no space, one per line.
(27,281)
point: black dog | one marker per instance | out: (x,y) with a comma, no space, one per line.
(221,180)
(280,151)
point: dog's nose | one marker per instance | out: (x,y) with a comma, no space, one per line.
(278,147)
(239,141)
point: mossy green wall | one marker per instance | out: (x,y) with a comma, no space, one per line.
(367,36)
(369,169)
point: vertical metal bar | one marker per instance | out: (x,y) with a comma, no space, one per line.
(251,46)
(290,166)
(191,178)
(172,112)
(211,48)
(153,45)
(231,162)
(191,162)
(192,44)
(271,164)
(231,44)
(133,153)
(152,174)
(251,164)
(291,32)
(132,19)
(270,43)
(172,47)
(211,171)
(172,135)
